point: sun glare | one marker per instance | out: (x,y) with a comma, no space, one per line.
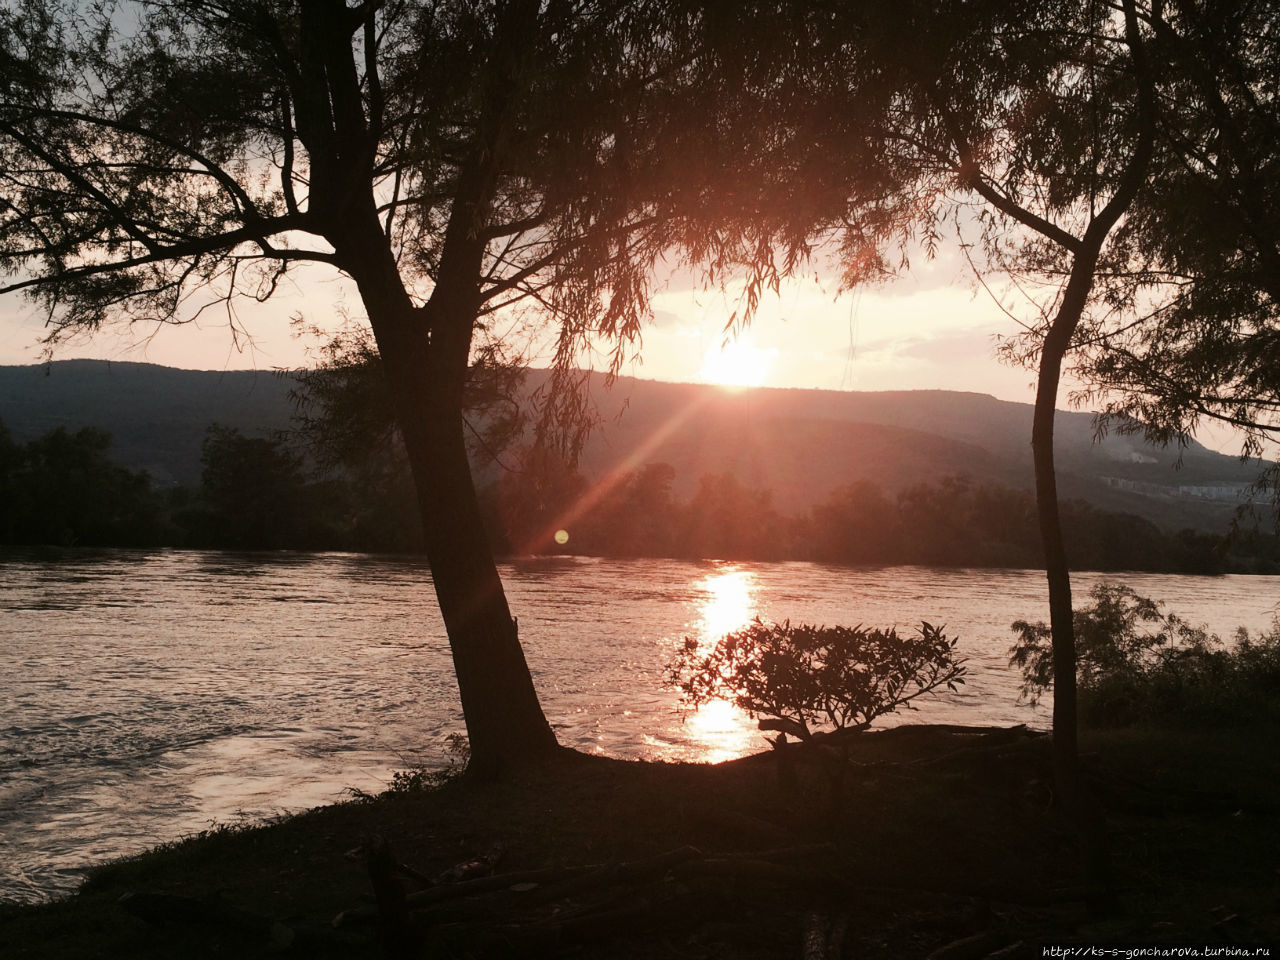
(729,604)
(736,365)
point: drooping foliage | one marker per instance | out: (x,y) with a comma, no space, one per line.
(1194,279)
(168,157)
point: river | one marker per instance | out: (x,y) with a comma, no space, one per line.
(145,696)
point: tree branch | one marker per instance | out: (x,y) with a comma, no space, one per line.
(194,247)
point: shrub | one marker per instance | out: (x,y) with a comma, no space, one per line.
(804,677)
(1134,660)
(420,778)
(1120,634)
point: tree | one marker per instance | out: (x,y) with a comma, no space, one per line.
(727,519)
(63,489)
(11,462)
(533,498)
(1056,154)
(857,524)
(256,490)
(1028,128)
(458,162)
(637,516)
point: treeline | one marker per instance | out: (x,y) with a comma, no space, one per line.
(954,522)
(64,488)
(256,493)
(260,493)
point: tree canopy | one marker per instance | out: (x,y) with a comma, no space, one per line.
(1193,283)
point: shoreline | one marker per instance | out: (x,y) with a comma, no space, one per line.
(939,834)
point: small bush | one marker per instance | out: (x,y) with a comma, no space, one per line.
(419,778)
(1135,661)
(811,677)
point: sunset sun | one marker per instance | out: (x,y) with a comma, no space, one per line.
(736,365)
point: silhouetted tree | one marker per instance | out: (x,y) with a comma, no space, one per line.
(858,524)
(535,498)
(1060,152)
(729,520)
(256,491)
(938,527)
(63,489)
(460,162)
(637,516)
(11,506)
(1029,125)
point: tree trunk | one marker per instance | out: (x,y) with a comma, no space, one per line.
(1061,620)
(1061,623)
(425,353)
(505,724)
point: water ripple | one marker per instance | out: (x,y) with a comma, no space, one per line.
(145,694)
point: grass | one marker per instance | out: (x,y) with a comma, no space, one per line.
(937,835)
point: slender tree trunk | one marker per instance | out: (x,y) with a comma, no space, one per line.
(1061,620)
(1072,798)
(1075,297)
(1062,626)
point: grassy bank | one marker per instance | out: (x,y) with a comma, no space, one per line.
(938,838)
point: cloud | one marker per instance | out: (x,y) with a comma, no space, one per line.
(666,319)
(968,344)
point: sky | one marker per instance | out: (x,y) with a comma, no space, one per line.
(926,331)
(930,329)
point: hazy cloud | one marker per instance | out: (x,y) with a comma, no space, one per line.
(968,344)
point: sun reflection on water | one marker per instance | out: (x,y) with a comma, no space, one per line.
(728,602)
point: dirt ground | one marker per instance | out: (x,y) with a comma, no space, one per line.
(921,841)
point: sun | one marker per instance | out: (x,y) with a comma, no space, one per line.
(736,365)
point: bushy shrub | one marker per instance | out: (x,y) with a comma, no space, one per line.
(1120,634)
(1135,661)
(810,677)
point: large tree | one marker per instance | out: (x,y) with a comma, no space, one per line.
(459,162)
(1026,128)
(1054,138)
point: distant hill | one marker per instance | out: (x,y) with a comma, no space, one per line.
(798,443)
(157,416)
(802,443)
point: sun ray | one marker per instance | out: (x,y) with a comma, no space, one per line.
(636,458)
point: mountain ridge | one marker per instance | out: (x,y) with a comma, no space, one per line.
(798,443)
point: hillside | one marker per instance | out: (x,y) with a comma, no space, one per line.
(798,443)
(802,443)
(156,415)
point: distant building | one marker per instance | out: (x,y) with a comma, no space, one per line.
(1225,492)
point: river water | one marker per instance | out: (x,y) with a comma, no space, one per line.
(145,696)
